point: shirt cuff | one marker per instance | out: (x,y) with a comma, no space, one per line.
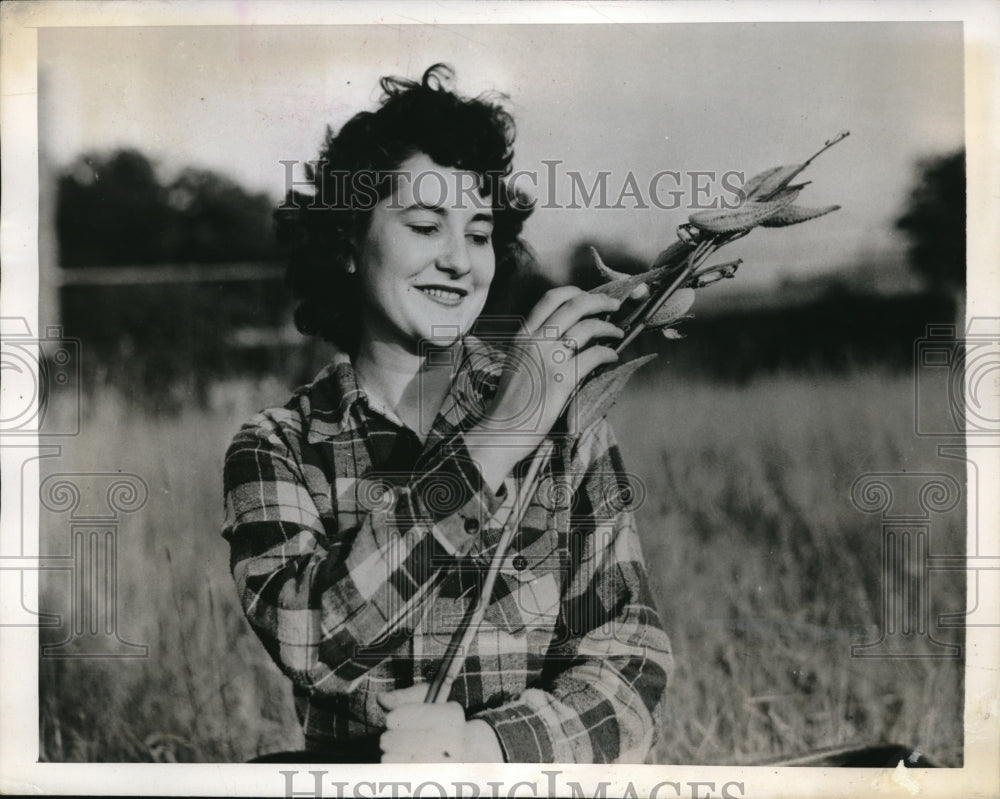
(523,736)
(455,496)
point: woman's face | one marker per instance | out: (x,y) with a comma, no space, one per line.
(426,262)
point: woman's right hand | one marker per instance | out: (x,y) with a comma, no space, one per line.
(551,355)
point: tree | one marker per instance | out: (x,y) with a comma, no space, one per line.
(164,339)
(215,219)
(112,209)
(934,222)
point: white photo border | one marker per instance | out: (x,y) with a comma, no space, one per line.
(19,770)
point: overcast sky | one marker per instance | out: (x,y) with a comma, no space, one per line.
(622,98)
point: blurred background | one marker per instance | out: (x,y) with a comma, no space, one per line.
(161,164)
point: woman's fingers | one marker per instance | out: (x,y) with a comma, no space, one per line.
(593,357)
(399,740)
(426,733)
(428,717)
(557,343)
(562,307)
(415,749)
(547,305)
(408,757)
(422,755)
(579,307)
(413,695)
(583,332)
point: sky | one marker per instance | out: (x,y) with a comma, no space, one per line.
(626,99)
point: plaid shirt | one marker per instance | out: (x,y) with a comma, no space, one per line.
(357,548)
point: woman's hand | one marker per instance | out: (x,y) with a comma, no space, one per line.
(549,358)
(417,732)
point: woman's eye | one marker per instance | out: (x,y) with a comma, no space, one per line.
(423,230)
(479,239)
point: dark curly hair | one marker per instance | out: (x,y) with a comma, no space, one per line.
(474,134)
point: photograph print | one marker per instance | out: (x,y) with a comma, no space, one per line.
(540,393)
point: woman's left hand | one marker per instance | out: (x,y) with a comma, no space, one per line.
(417,732)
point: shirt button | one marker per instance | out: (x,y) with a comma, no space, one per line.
(520,563)
(471,526)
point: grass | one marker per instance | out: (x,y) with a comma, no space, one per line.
(764,572)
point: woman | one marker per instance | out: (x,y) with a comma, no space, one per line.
(362,514)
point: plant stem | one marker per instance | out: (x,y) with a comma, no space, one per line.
(633,324)
(458,646)
(454,656)
(656,301)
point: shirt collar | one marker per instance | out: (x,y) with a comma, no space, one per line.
(327,403)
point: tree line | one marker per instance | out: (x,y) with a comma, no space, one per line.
(115,209)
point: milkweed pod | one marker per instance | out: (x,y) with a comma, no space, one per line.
(712,274)
(777,180)
(789,194)
(751,186)
(740,219)
(674,309)
(688,234)
(793,214)
(640,292)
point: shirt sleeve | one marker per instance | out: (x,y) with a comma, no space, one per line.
(601,697)
(331,604)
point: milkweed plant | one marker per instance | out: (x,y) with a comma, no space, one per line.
(658,299)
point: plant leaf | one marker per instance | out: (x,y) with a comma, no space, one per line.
(621,284)
(598,394)
(620,289)
(605,271)
(674,255)
(793,214)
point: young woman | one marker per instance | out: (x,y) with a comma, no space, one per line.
(362,514)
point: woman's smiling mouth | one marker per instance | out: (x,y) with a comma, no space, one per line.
(443,295)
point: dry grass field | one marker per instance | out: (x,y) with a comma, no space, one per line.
(764,571)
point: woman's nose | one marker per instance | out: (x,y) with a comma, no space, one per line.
(454,259)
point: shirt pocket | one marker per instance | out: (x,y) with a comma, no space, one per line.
(527,595)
